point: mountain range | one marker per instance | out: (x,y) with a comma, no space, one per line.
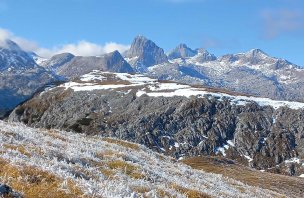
(252,74)
(273,77)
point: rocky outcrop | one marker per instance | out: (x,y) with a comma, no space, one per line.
(259,136)
(6,191)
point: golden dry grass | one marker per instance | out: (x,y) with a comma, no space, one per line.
(128,169)
(122,143)
(291,186)
(32,182)
(189,192)
(21,149)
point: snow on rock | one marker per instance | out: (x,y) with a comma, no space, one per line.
(248,158)
(105,80)
(293,160)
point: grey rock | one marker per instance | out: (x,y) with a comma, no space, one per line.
(145,53)
(71,66)
(6,191)
(57,61)
(181,51)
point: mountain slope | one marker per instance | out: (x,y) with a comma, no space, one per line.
(20,76)
(38,162)
(70,66)
(175,119)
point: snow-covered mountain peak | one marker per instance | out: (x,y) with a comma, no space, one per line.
(181,51)
(256,52)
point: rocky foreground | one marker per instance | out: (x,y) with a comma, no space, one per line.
(175,119)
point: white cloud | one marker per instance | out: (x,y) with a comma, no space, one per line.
(81,48)
(280,21)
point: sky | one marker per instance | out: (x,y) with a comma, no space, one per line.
(93,27)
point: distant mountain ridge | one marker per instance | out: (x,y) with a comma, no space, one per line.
(253,72)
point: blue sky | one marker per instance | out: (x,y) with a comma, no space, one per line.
(221,26)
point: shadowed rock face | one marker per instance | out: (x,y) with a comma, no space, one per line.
(177,126)
(71,66)
(145,53)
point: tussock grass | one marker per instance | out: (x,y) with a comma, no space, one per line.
(32,182)
(291,186)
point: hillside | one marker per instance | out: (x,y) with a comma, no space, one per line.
(39,162)
(175,119)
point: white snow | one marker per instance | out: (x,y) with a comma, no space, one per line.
(302,175)
(248,158)
(221,149)
(154,88)
(293,160)
(231,143)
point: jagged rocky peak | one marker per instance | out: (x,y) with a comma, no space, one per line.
(256,53)
(145,53)
(203,55)
(181,51)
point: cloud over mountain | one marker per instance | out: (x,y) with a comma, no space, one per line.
(80,48)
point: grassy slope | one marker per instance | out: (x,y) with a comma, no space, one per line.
(49,163)
(291,186)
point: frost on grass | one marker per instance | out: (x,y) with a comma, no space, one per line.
(39,162)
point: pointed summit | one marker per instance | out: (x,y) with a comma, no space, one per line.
(114,62)
(145,53)
(256,56)
(203,55)
(256,53)
(181,51)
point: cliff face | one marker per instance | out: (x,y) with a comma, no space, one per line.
(259,136)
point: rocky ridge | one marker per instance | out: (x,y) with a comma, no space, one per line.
(176,119)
